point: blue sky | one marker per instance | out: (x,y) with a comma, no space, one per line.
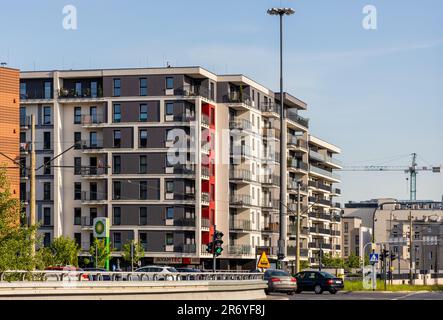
(376,94)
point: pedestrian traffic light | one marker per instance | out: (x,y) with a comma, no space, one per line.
(218,242)
(210,247)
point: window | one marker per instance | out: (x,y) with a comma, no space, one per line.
(47,165)
(77,190)
(117,138)
(93,139)
(116,218)
(117,113)
(78,89)
(117,241)
(78,238)
(47,240)
(92,214)
(143,216)
(23,90)
(169,186)
(144,240)
(169,83)
(47,140)
(117,190)
(46,216)
(46,191)
(143,190)
(117,88)
(346,227)
(212,113)
(94,89)
(93,114)
(77,165)
(143,167)
(23,117)
(77,140)
(48,90)
(46,115)
(143,143)
(170,213)
(77,115)
(77,216)
(116,164)
(143,112)
(143,86)
(169,239)
(169,108)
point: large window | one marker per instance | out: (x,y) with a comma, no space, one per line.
(116,164)
(48,90)
(169,239)
(143,86)
(143,142)
(169,108)
(77,190)
(143,168)
(47,165)
(77,216)
(117,190)
(23,90)
(94,89)
(169,186)
(170,213)
(143,190)
(46,216)
(77,140)
(47,191)
(23,117)
(77,165)
(77,115)
(117,240)
(117,87)
(117,138)
(143,216)
(143,113)
(117,113)
(169,83)
(78,89)
(46,115)
(116,219)
(47,140)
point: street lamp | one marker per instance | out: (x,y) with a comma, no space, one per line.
(283,164)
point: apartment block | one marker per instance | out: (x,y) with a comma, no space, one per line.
(168,153)
(9,126)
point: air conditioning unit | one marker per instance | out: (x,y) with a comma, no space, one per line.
(169,196)
(169,170)
(169,117)
(169,92)
(169,248)
(169,222)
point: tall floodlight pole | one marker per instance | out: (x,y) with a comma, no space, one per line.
(283,161)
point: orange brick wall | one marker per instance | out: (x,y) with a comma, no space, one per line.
(10,124)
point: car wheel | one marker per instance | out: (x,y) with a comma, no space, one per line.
(298,291)
(318,289)
(290,293)
(332,291)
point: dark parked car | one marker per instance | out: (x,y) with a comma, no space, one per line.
(280,281)
(96,276)
(187,270)
(318,281)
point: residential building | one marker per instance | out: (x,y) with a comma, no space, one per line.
(354,237)
(167,153)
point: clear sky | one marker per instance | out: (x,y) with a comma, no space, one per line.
(378,94)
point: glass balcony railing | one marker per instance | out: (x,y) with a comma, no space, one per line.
(324,172)
(298,119)
(324,158)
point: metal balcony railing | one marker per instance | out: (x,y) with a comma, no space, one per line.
(319,185)
(270,107)
(93,119)
(270,204)
(239,224)
(240,174)
(87,221)
(240,124)
(91,145)
(271,180)
(93,171)
(325,202)
(271,227)
(93,196)
(237,97)
(184,222)
(205,197)
(297,164)
(240,199)
(297,142)
(205,223)
(240,250)
(64,93)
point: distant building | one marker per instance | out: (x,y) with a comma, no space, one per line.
(355,236)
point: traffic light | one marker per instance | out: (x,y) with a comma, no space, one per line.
(393,257)
(218,242)
(210,247)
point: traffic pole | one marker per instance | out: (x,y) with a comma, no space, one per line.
(32,186)
(297,247)
(213,250)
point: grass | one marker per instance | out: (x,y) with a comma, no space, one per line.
(358,286)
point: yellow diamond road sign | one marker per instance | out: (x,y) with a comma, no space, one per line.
(263,262)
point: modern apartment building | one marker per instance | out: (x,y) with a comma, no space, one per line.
(9,126)
(354,237)
(167,153)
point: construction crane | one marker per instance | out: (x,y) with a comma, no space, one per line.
(411,170)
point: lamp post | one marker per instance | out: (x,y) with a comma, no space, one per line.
(283,164)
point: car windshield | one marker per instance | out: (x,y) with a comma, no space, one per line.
(279,273)
(327,275)
(171,269)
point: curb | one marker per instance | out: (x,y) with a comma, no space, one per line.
(363,291)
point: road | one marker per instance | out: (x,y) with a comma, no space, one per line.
(360,296)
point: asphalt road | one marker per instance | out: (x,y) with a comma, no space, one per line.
(360,296)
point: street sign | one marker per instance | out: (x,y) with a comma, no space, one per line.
(101,227)
(263,262)
(373,258)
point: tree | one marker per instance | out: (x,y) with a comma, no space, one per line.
(99,253)
(63,251)
(331,261)
(304,264)
(352,261)
(138,253)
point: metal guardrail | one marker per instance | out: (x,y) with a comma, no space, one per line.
(30,276)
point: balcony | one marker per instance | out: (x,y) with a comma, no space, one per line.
(297,143)
(240,250)
(87,222)
(36,94)
(186,248)
(93,121)
(336,218)
(336,191)
(206,172)
(319,245)
(93,172)
(320,230)
(324,173)
(184,222)
(241,175)
(272,227)
(297,165)
(237,100)
(298,119)
(320,215)
(205,198)
(242,225)
(84,93)
(324,202)
(89,197)
(270,109)
(293,186)
(25,147)
(269,156)
(319,185)
(291,250)
(271,133)
(241,151)
(270,204)
(95,145)
(240,124)
(325,158)
(193,91)
(205,223)
(271,180)
(241,200)
(206,121)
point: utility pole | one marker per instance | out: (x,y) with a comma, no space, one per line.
(132,256)
(214,266)
(297,248)
(411,279)
(32,219)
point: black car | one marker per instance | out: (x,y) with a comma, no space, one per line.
(318,281)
